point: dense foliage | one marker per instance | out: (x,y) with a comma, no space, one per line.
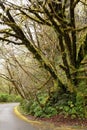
(67,104)
(9,98)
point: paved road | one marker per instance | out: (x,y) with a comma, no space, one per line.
(9,121)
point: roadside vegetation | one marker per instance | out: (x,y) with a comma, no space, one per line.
(9,98)
(44,56)
(65,104)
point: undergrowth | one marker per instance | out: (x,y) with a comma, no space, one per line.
(67,104)
(9,98)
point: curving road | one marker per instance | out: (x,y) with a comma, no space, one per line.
(9,121)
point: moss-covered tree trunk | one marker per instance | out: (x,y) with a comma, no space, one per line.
(61,18)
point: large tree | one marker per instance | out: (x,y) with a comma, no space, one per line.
(20,24)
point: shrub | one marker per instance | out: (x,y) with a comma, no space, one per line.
(68,104)
(34,108)
(3,97)
(9,98)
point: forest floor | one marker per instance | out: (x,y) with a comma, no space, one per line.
(60,123)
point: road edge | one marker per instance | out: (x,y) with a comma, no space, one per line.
(24,118)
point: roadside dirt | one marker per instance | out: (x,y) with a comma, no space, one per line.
(60,123)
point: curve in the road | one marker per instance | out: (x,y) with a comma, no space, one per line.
(24,118)
(9,121)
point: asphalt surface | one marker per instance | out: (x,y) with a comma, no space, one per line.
(9,121)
